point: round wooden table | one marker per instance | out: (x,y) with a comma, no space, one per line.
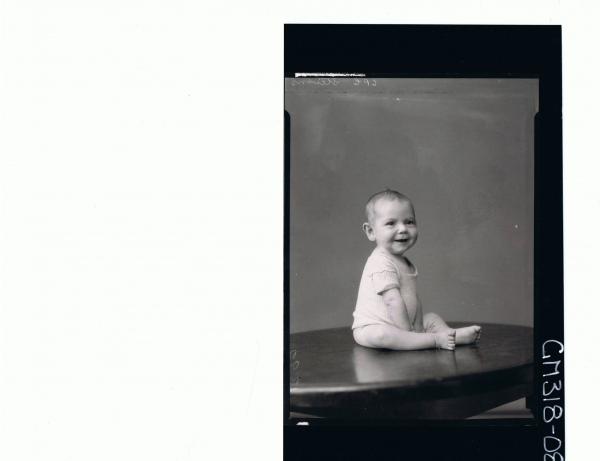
(332,376)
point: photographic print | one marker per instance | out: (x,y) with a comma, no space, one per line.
(411,205)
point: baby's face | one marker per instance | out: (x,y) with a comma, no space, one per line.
(393,226)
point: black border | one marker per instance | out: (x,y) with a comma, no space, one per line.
(447,51)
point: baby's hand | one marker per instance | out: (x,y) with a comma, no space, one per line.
(445,340)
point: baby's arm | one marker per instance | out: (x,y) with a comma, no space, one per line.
(396,309)
(403,336)
(418,323)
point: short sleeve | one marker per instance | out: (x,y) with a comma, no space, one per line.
(384,281)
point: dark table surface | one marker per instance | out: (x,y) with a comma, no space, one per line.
(331,375)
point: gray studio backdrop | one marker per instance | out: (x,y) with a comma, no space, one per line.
(461,149)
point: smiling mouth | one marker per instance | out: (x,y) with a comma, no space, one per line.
(401,240)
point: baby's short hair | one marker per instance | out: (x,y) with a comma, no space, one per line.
(387,194)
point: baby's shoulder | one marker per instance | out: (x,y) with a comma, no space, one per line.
(379,261)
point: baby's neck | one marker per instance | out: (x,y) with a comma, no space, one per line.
(401,257)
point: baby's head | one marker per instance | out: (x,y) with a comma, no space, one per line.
(391,222)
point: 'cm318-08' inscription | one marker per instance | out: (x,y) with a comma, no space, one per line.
(552,392)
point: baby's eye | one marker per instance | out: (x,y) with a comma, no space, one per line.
(389,223)
(410,221)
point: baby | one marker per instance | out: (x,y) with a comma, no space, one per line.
(388,312)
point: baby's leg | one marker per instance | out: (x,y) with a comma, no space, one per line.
(434,323)
(467,335)
(389,337)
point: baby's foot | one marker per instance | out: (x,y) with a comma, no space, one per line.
(468,335)
(445,340)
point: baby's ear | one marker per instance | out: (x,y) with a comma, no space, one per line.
(368,230)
